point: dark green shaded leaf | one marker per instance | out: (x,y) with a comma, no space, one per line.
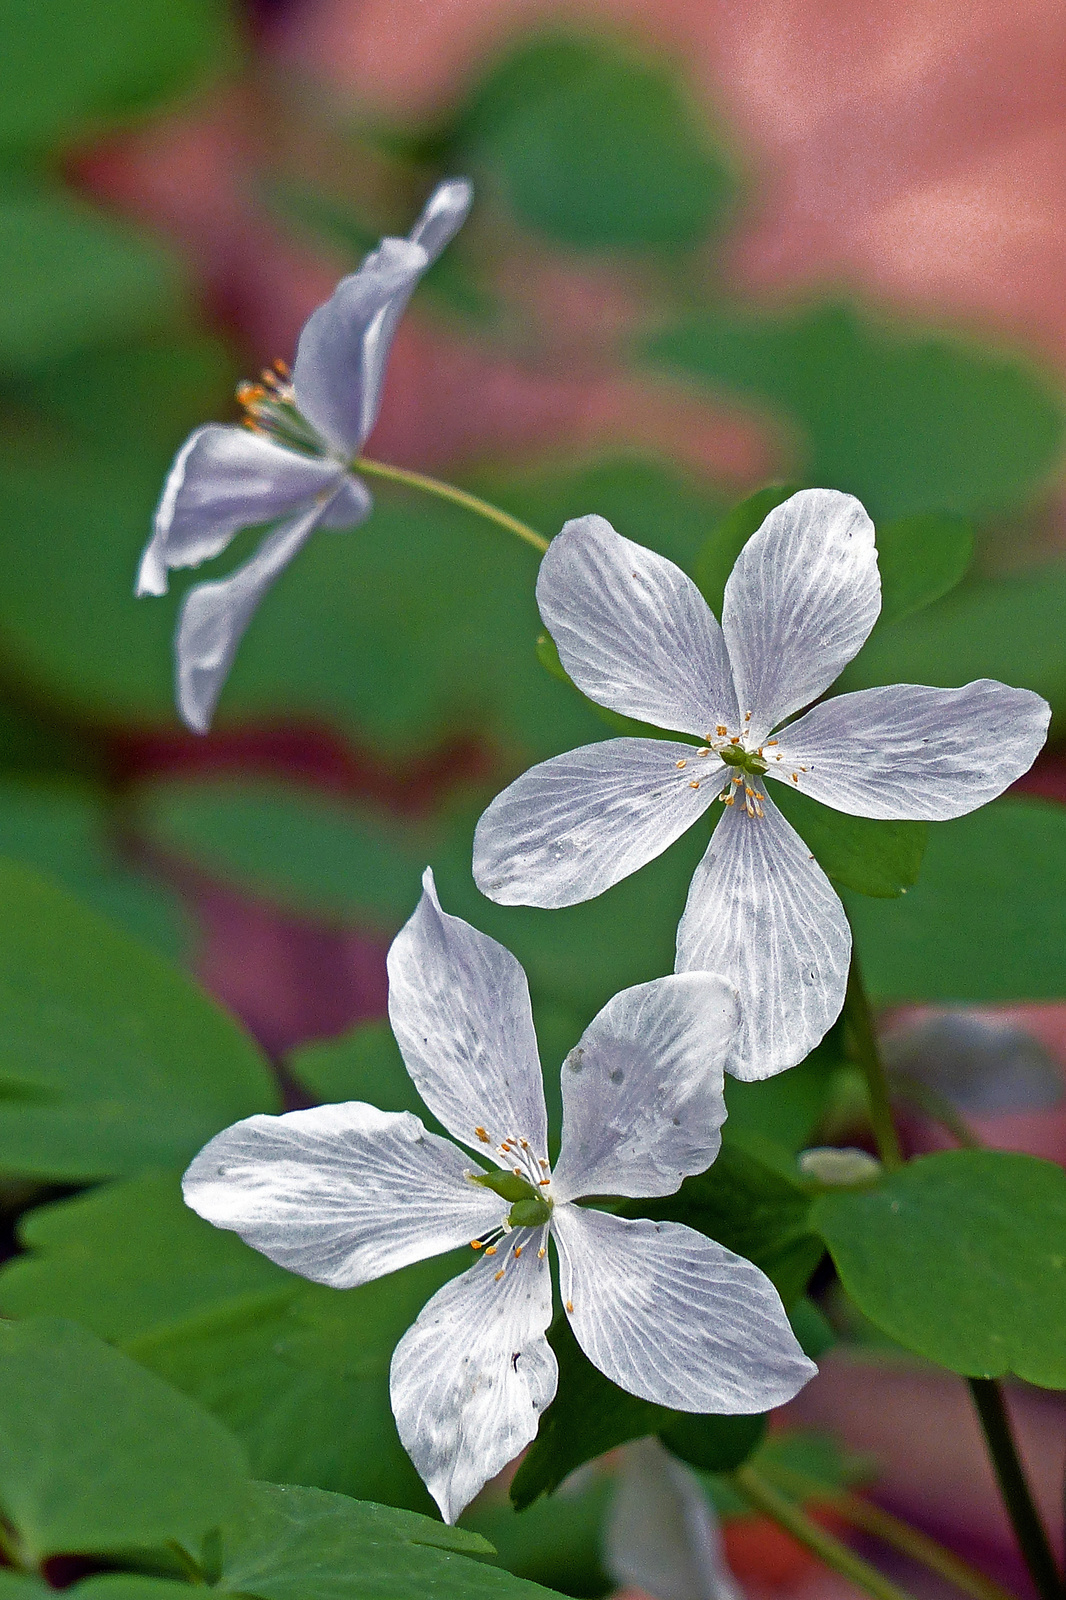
(97,1455)
(908,422)
(67,64)
(713,1444)
(723,544)
(556,1541)
(73,277)
(920,558)
(788,1108)
(594,147)
(110,1060)
(876,858)
(960,1256)
(988,919)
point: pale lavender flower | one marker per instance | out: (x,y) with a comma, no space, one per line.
(662,1534)
(346,1193)
(635,634)
(292,465)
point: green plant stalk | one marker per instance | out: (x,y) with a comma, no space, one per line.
(764,1497)
(859,1020)
(1025,1519)
(891,1531)
(458,497)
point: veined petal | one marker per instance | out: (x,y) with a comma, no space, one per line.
(672,1316)
(642,1090)
(662,1535)
(340,1193)
(633,631)
(763,914)
(224,479)
(350,506)
(214,617)
(569,828)
(799,603)
(470,1378)
(459,1007)
(911,751)
(443,215)
(340,361)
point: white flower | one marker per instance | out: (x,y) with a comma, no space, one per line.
(662,1535)
(347,1193)
(635,634)
(295,462)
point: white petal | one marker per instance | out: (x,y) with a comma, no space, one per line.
(350,506)
(459,1007)
(569,828)
(662,1535)
(444,214)
(344,347)
(222,480)
(763,914)
(642,1091)
(340,1193)
(633,631)
(214,617)
(912,751)
(470,1378)
(670,1315)
(800,603)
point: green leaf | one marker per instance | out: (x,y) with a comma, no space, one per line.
(960,1256)
(713,1444)
(74,277)
(364,1064)
(110,1060)
(874,857)
(908,421)
(556,1541)
(727,538)
(988,919)
(920,559)
(303,1544)
(787,1109)
(67,64)
(63,829)
(594,147)
(97,1455)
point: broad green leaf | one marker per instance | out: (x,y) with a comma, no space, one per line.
(67,64)
(960,1256)
(907,420)
(364,1064)
(987,921)
(98,1455)
(74,277)
(130,1258)
(111,1061)
(33,746)
(713,1444)
(877,858)
(128,1586)
(303,1544)
(21,1586)
(920,558)
(716,556)
(594,147)
(556,1541)
(786,1109)
(63,830)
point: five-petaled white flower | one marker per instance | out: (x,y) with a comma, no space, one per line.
(347,1193)
(294,459)
(635,634)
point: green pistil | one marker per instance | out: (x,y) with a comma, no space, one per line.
(744,760)
(529,1209)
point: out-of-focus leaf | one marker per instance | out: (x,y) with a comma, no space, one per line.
(788,1108)
(555,1541)
(67,64)
(97,1455)
(73,277)
(908,422)
(713,1444)
(716,556)
(960,1256)
(987,921)
(920,558)
(872,856)
(62,830)
(111,1061)
(594,147)
(365,1064)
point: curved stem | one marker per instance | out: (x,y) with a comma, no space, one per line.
(1025,1519)
(753,1488)
(872,1519)
(859,1018)
(458,497)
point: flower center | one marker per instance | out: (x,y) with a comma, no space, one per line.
(734,755)
(269,407)
(528,1208)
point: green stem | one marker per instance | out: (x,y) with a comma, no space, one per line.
(859,1018)
(892,1531)
(1013,1486)
(458,497)
(753,1488)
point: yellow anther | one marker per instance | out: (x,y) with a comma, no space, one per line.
(694,783)
(518,1249)
(736,740)
(282,368)
(543,1165)
(795,777)
(680,764)
(524,1143)
(544,1181)
(747,716)
(476,1244)
(482,1135)
(569,1305)
(540,1253)
(499,1275)
(704,752)
(491,1251)
(769,742)
(721,732)
(517,1171)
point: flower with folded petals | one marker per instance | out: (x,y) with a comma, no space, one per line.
(347,1193)
(635,634)
(292,464)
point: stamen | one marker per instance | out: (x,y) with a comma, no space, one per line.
(524,1143)
(569,1305)
(518,1249)
(721,732)
(680,764)
(477,1244)
(540,1253)
(282,368)
(491,1250)
(499,1275)
(704,752)
(747,716)
(736,740)
(694,783)
(795,777)
(482,1135)
(544,1181)
(769,742)
(543,1165)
